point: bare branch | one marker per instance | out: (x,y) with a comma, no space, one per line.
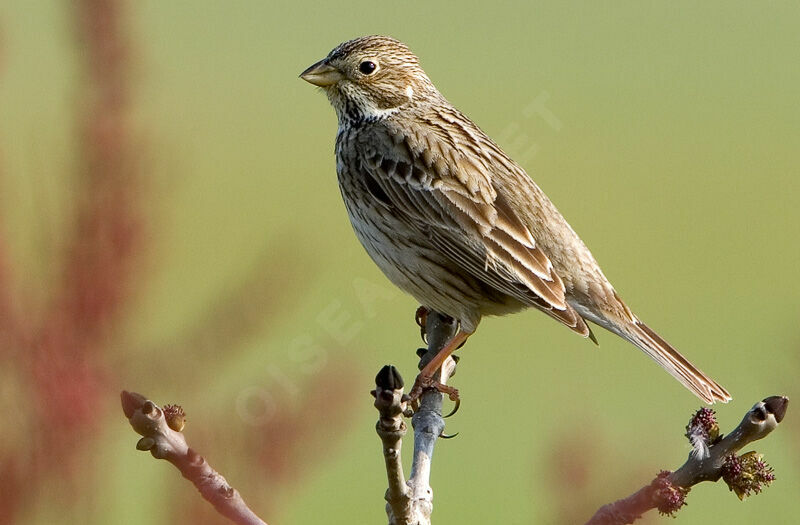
(714,457)
(391,428)
(161,435)
(411,502)
(427,420)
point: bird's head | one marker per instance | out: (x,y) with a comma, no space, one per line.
(371,77)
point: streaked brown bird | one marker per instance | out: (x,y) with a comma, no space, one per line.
(452,220)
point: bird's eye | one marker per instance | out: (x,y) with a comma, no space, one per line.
(367,67)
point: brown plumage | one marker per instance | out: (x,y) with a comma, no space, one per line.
(455,222)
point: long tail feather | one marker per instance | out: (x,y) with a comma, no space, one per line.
(673,362)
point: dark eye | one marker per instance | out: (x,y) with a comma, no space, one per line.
(367,67)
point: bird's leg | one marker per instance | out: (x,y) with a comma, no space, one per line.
(426,377)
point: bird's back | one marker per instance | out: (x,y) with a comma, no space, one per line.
(586,286)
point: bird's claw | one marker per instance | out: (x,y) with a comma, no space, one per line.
(421,317)
(455,408)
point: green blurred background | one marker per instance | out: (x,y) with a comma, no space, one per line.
(674,153)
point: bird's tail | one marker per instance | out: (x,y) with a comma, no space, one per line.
(673,362)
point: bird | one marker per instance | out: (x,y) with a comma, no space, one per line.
(453,221)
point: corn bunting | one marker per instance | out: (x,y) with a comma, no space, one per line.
(452,220)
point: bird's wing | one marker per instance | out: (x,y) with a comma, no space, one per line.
(441,183)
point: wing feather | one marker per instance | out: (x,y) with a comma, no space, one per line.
(444,188)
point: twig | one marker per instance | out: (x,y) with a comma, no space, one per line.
(714,457)
(162,436)
(411,502)
(391,428)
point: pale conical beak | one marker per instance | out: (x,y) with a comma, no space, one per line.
(321,74)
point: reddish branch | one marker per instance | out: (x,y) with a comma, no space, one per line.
(161,431)
(65,359)
(58,355)
(10,323)
(714,457)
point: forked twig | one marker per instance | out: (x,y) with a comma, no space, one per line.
(714,457)
(411,502)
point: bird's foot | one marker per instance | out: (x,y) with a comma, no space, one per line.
(424,382)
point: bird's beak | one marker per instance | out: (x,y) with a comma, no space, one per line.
(322,74)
